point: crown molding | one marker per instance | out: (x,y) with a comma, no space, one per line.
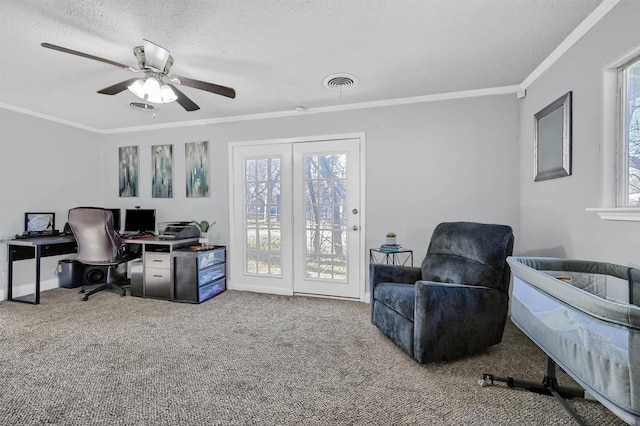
(504,90)
(336,108)
(50,118)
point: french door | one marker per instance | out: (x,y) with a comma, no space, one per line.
(296,217)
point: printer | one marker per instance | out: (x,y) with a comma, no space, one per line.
(177,230)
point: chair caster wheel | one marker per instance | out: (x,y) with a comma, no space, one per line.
(123,294)
(84,299)
(81,291)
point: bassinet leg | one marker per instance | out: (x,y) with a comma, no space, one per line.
(559,392)
(548,386)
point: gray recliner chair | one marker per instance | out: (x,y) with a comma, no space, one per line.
(455,304)
(98,244)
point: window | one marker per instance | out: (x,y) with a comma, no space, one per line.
(620,150)
(629,149)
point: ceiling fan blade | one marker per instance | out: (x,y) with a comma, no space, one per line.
(183,100)
(209,87)
(88,56)
(117,88)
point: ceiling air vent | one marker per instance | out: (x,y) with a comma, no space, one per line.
(140,106)
(341,81)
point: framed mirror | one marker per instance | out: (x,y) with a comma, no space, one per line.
(552,140)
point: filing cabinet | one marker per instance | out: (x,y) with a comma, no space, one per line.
(198,275)
(157,275)
(154,276)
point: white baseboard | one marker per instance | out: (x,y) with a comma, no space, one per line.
(260,289)
(25,289)
(29,288)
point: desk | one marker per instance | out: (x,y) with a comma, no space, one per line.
(156,255)
(37,247)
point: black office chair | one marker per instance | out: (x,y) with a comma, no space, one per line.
(98,244)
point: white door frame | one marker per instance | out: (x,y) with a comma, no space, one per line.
(235,256)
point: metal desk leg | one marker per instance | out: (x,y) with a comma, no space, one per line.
(37,295)
(10,274)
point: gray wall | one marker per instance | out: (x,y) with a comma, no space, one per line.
(553,220)
(425,163)
(44,166)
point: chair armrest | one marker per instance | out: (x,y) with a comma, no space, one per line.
(128,256)
(452,320)
(384,273)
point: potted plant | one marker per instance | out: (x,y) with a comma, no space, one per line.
(391,238)
(204,227)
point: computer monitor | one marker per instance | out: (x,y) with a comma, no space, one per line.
(116,218)
(39,222)
(139,220)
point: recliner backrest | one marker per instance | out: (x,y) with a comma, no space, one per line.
(93,229)
(469,253)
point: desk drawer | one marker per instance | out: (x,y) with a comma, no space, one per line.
(211,290)
(46,250)
(209,258)
(58,249)
(205,276)
(157,283)
(157,260)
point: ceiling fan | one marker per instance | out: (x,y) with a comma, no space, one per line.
(156,85)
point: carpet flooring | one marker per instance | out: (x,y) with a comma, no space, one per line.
(249,359)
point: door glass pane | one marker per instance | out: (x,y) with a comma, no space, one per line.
(262,216)
(326,227)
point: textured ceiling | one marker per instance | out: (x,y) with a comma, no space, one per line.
(274,53)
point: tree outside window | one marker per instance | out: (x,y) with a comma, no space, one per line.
(630,176)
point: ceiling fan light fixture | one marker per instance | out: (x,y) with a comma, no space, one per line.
(151,91)
(167,94)
(154,97)
(151,86)
(137,88)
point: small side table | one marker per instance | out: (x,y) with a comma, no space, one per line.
(402,257)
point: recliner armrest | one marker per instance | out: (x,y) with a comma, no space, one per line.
(452,320)
(384,273)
